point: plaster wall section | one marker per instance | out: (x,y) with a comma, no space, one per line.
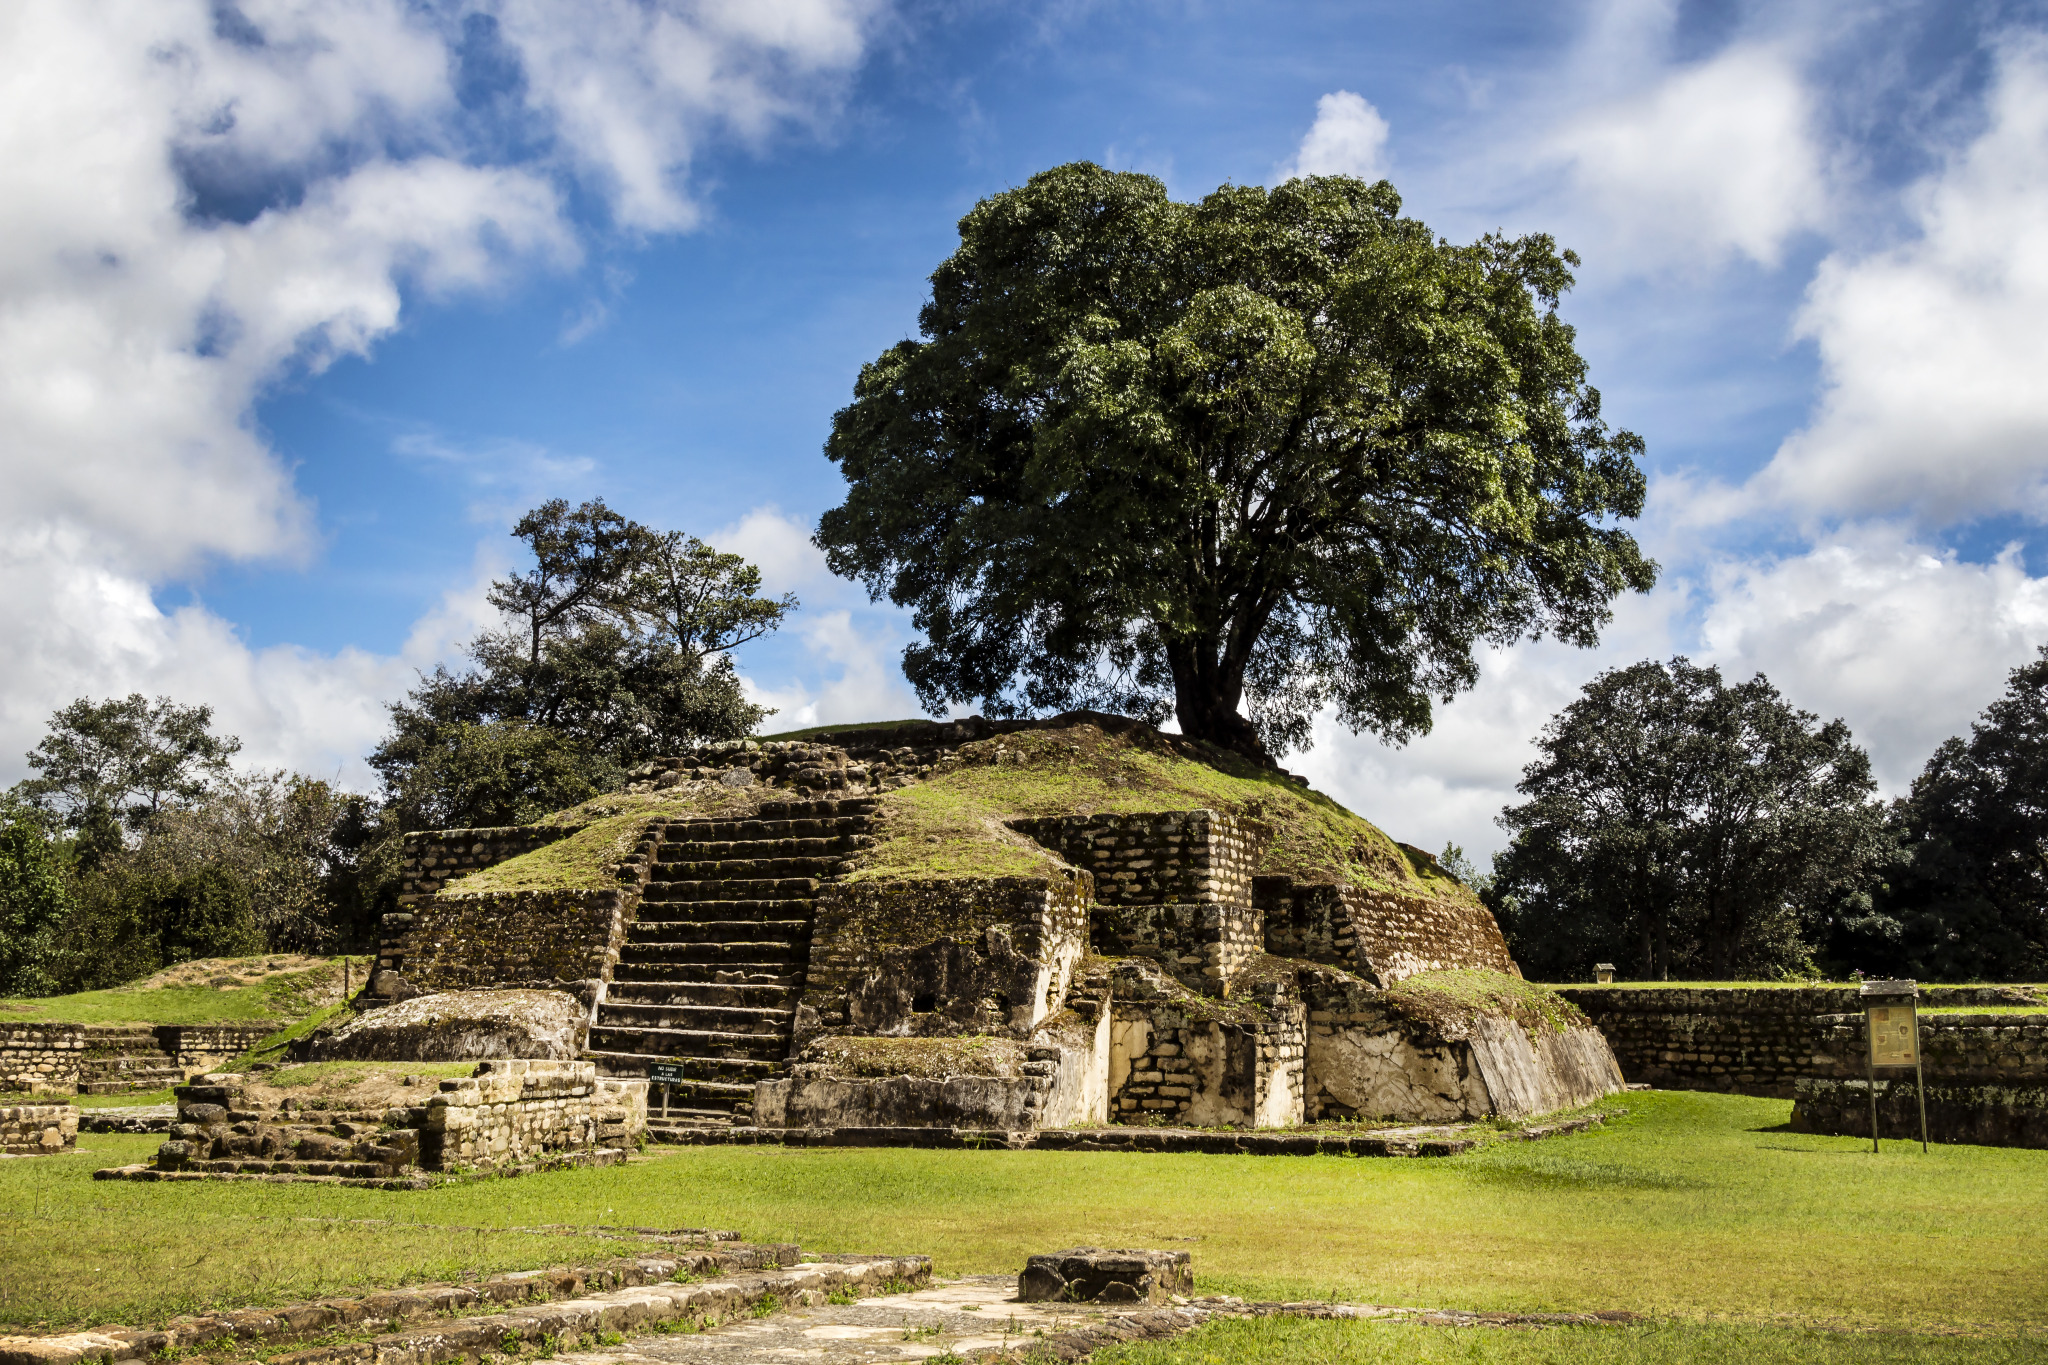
(937,957)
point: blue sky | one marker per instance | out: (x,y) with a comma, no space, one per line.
(304,301)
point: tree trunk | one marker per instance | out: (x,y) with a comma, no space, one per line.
(1205,698)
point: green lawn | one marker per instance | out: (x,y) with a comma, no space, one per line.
(1696,1207)
(1292,1341)
(285,995)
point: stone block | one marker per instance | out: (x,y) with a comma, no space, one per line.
(1095,1275)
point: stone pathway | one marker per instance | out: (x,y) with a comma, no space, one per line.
(970,1314)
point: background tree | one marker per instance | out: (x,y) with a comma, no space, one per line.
(1263,453)
(612,650)
(35,900)
(103,765)
(1676,823)
(1970,898)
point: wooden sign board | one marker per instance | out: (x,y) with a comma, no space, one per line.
(1894,1033)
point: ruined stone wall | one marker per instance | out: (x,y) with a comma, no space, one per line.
(62,1057)
(943,956)
(539,940)
(1992,1115)
(38,1129)
(1204,946)
(511,1112)
(1173,857)
(1179,1059)
(433,858)
(1384,936)
(1763,1041)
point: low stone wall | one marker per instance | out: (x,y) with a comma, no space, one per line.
(433,858)
(38,1129)
(511,1112)
(943,957)
(1170,857)
(61,1058)
(1380,935)
(1991,1115)
(531,940)
(1367,1060)
(1204,946)
(1179,1058)
(1764,1041)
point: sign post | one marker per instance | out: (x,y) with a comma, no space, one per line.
(1891,1030)
(665,1074)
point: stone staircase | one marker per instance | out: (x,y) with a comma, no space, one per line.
(710,973)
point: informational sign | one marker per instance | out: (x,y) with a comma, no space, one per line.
(1894,1035)
(671,1073)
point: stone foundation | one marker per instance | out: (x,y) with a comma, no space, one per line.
(115,1058)
(1170,857)
(38,1129)
(1177,1058)
(1990,1115)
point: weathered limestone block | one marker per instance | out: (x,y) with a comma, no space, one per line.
(1181,1058)
(943,957)
(457,1026)
(1093,1275)
(1369,1059)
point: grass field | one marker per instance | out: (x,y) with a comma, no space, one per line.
(212,991)
(1284,1341)
(1694,1207)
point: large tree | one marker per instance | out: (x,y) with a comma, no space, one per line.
(612,648)
(124,761)
(1971,900)
(1258,454)
(1677,822)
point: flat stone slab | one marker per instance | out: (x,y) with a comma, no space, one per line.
(1097,1275)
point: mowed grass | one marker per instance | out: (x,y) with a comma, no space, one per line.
(1693,1207)
(1294,1341)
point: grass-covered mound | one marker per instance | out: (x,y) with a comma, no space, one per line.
(214,990)
(1451,999)
(610,826)
(952,824)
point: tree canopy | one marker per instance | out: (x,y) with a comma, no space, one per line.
(1679,823)
(124,759)
(1970,901)
(611,649)
(1257,454)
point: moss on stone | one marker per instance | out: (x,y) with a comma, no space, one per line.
(952,823)
(918,1058)
(1453,998)
(610,827)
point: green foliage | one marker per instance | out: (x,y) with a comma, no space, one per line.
(1276,449)
(612,650)
(125,758)
(1676,823)
(35,900)
(1970,900)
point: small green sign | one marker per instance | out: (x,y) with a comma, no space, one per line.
(665,1073)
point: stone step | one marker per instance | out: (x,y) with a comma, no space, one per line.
(706,994)
(698,1094)
(750,831)
(740,869)
(653,909)
(729,954)
(791,931)
(249,1165)
(675,1015)
(741,889)
(783,976)
(680,1120)
(626,1056)
(836,846)
(698,1045)
(134,1083)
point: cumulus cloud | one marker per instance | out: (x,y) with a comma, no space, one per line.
(199,197)
(1933,350)
(1348,138)
(1711,159)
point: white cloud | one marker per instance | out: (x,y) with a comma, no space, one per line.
(198,199)
(1348,138)
(1934,350)
(868,684)
(1715,158)
(780,546)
